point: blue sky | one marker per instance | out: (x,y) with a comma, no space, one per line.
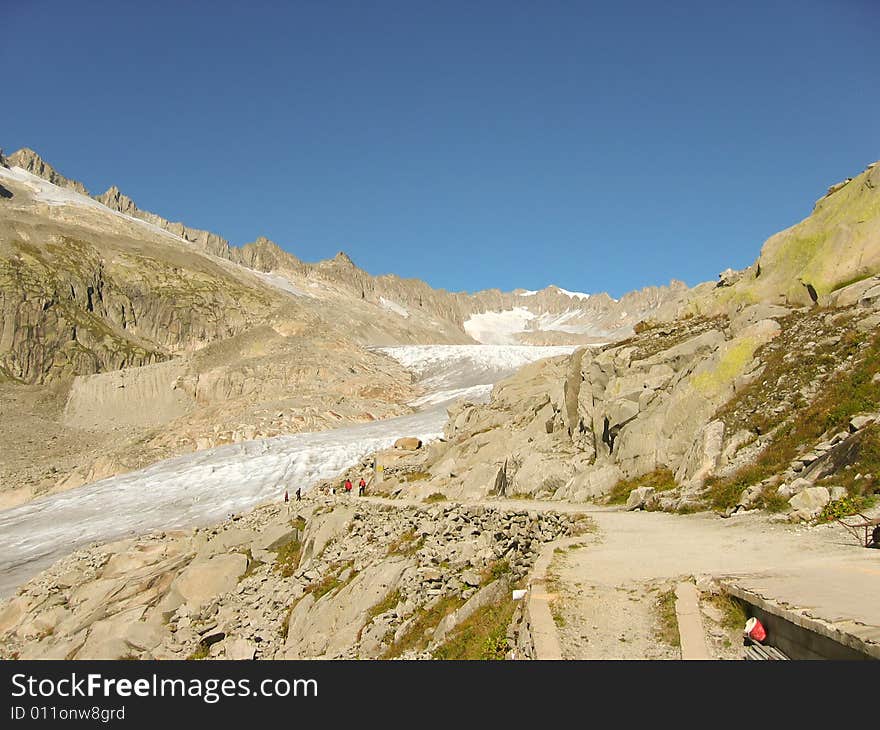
(598,146)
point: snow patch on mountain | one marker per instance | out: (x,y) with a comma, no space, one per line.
(54,195)
(498,328)
(572,294)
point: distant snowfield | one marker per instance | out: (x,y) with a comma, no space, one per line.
(501,328)
(498,328)
(205,486)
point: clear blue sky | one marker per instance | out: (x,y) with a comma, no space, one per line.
(595,145)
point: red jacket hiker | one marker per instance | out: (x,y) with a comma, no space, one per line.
(348,485)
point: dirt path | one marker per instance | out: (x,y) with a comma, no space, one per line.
(610,587)
(609,583)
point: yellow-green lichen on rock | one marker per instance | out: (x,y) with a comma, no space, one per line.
(839,243)
(733,359)
(836,245)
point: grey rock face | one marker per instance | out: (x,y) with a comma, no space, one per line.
(29,160)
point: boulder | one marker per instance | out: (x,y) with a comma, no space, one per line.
(859,422)
(639,498)
(204,579)
(541,473)
(755,313)
(239,649)
(749,496)
(112,648)
(796,487)
(143,635)
(809,503)
(591,484)
(12,613)
(408,443)
(703,457)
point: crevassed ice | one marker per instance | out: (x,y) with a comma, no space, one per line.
(205,486)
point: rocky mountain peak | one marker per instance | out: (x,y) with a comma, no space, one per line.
(115,199)
(27,159)
(343,258)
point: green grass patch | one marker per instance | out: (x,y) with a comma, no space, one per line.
(850,281)
(661,479)
(771,501)
(733,613)
(435,497)
(324,586)
(252,564)
(417,476)
(332,580)
(417,636)
(407,544)
(385,605)
(667,621)
(482,636)
(284,629)
(200,652)
(287,558)
(495,570)
(556,613)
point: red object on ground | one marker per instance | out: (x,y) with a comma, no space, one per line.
(755,630)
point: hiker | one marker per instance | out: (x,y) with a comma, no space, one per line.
(362,487)
(286,497)
(298,494)
(348,486)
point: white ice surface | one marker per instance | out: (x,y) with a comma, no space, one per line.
(498,328)
(205,486)
(447,368)
(46,192)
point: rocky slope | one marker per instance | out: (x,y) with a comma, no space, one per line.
(326,579)
(775,408)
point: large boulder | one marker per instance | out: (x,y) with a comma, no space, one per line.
(590,484)
(639,498)
(542,473)
(703,457)
(204,579)
(809,503)
(408,443)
